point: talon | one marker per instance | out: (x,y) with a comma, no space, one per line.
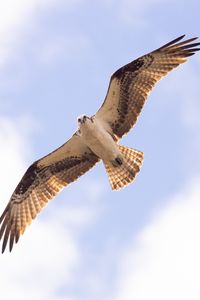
(118,161)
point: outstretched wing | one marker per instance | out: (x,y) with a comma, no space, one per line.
(41,182)
(130,85)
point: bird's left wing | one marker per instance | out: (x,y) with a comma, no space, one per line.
(41,182)
(130,85)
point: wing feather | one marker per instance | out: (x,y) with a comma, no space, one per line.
(130,85)
(41,182)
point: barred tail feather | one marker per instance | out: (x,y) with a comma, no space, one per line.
(121,175)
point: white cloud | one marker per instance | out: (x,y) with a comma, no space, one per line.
(13,149)
(13,16)
(40,263)
(16,16)
(164,263)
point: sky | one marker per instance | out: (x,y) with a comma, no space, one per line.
(142,242)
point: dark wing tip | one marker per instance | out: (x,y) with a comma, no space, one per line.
(174,44)
(6,237)
(181,49)
(7,232)
(3,228)
(12,238)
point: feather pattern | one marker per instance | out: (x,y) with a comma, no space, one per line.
(40,183)
(130,85)
(120,176)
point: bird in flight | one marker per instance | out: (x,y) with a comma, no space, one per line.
(96,139)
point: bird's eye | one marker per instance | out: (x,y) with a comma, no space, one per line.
(79,119)
(84,117)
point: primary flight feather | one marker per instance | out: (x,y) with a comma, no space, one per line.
(96,139)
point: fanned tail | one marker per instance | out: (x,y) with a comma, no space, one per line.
(125,169)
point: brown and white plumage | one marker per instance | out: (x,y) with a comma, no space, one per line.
(130,85)
(96,139)
(41,182)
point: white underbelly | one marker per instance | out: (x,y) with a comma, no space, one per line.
(102,144)
(105,151)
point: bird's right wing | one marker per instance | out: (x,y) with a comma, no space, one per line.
(41,182)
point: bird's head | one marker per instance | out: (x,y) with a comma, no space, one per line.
(83,119)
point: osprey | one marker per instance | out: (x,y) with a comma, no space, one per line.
(96,139)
